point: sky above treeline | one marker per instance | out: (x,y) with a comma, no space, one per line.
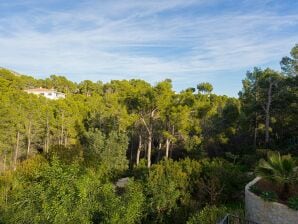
(190,42)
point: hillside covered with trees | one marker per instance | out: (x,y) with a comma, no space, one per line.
(188,155)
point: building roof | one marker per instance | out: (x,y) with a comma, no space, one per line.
(40,90)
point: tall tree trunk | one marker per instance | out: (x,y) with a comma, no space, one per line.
(149,128)
(47,142)
(29,139)
(16,151)
(4,162)
(256,114)
(65,139)
(255,138)
(171,145)
(267,114)
(62,129)
(150,134)
(167,147)
(145,146)
(149,150)
(255,132)
(139,150)
(159,151)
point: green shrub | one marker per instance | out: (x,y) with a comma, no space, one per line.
(269,196)
(262,152)
(219,182)
(166,189)
(266,195)
(293,202)
(255,189)
(208,215)
(248,161)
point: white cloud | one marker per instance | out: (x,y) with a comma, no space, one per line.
(120,40)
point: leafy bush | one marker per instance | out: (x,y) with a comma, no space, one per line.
(293,202)
(165,188)
(266,195)
(255,189)
(269,196)
(208,215)
(249,161)
(127,208)
(55,192)
(219,182)
(107,151)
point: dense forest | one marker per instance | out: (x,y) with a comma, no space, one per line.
(187,155)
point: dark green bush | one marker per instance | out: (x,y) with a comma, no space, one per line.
(255,189)
(293,202)
(266,195)
(208,215)
(269,196)
(219,182)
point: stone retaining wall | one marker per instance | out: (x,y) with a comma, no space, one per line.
(263,212)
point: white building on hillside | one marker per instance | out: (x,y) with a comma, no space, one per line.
(48,93)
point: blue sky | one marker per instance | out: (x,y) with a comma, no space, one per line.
(188,41)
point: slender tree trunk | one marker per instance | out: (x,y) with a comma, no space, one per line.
(145,146)
(16,151)
(159,151)
(62,130)
(139,150)
(65,139)
(4,163)
(149,128)
(267,114)
(256,115)
(171,145)
(167,147)
(255,138)
(47,142)
(150,134)
(29,139)
(255,132)
(149,149)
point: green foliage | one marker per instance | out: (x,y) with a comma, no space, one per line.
(106,151)
(289,65)
(269,196)
(175,189)
(208,215)
(127,208)
(279,169)
(205,87)
(219,182)
(68,155)
(165,188)
(49,196)
(52,192)
(255,189)
(268,108)
(293,203)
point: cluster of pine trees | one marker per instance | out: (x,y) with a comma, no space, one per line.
(185,153)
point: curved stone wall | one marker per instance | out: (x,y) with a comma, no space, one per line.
(263,212)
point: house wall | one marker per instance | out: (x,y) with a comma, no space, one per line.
(50,95)
(264,212)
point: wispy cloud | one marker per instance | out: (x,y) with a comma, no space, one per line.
(144,39)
